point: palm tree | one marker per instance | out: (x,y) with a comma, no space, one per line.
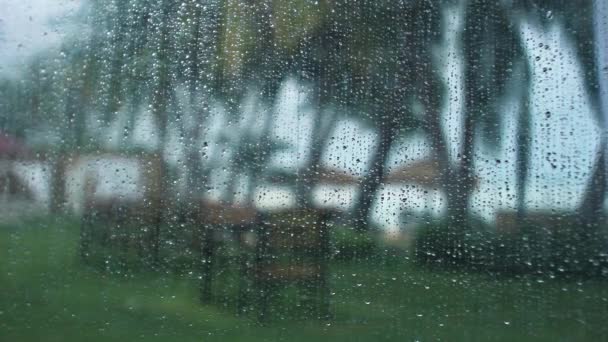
(200,29)
(320,65)
(490,47)
(402,39)
(279,51)
(579,31)
(491,50)
(524,139)
(162,94)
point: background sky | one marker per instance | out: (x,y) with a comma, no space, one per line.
(29,26)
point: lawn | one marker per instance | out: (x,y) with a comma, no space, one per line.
(48,295)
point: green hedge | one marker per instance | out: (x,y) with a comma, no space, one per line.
(348,244)
(560,249)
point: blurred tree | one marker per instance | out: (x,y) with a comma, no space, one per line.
(318,65)
(373,60)
(523,136)
(576,18)
(389,48)
(490,47)
(199,30)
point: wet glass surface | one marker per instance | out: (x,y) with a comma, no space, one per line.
(385,170)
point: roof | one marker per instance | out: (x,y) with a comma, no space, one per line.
(425,172)
(323,175)
(328,175)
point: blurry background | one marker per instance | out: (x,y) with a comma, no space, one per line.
(468,135)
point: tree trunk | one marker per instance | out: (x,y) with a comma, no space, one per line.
(194,165)
(458,185)
(590,212)
(592,205)
(455,188)
(202,56)
(58,184)
(375,175)
(522,157)
(591,208)
(230,193)
(162,92)
(305,186)
(236,160)
(591,219)
(461,186)
(256,172)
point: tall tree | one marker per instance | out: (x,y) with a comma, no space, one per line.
(200,27)
(576,19)
(162,94)
(490,47)
(396,46)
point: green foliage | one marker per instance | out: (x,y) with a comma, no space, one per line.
(47,295)
(561,248)
(350,245)
(439,243)
(567,247)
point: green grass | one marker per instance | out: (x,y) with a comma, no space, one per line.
(47,295)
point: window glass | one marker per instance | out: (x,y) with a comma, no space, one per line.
(340,170)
